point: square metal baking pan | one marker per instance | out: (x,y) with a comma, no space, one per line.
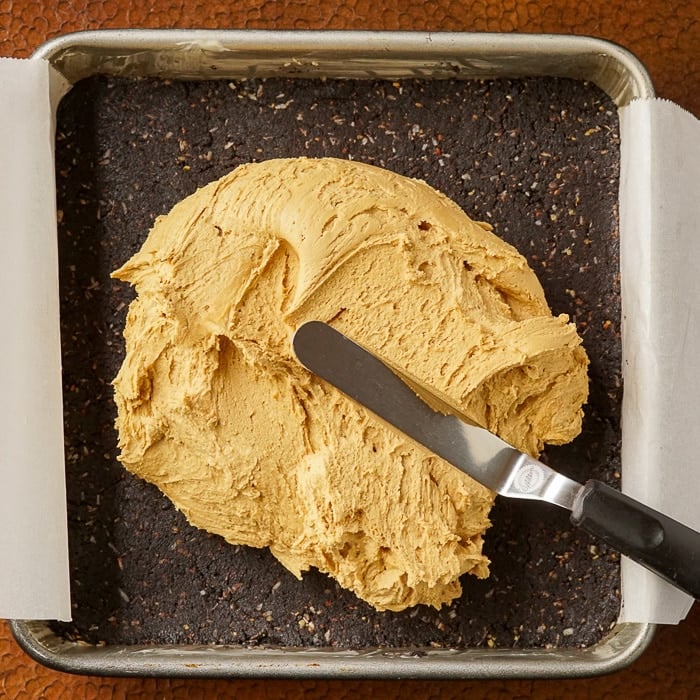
(211,54)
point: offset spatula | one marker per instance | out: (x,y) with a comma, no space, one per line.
(656,541)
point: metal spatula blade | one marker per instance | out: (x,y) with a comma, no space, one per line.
(656,541)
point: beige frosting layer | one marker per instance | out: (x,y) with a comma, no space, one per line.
(215,410)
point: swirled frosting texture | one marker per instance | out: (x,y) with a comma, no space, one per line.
(215,410)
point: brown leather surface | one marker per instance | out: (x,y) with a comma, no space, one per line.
(664,34)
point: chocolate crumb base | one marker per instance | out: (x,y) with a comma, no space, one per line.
(537,158)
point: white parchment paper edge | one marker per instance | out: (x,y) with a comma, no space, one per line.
(660,287)
(34,578)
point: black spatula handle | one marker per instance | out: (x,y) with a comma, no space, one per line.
(667,547)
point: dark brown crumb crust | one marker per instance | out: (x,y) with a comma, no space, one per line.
(537,158)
